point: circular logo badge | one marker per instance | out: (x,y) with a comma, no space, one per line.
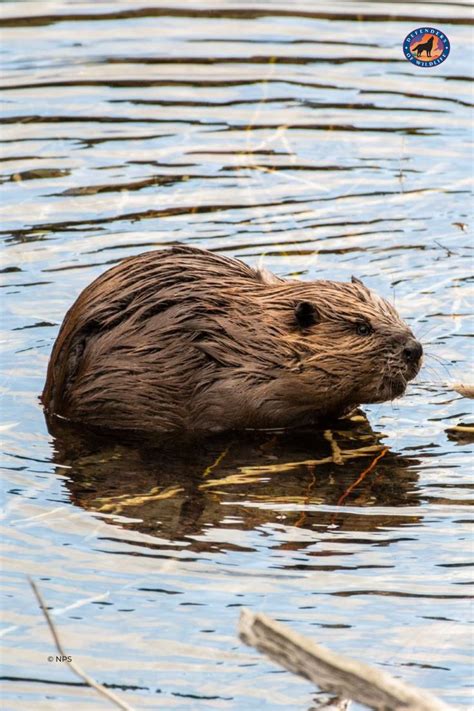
(426,47)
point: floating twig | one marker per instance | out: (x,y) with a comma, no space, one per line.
(307,498)
(362,476)
(464,389)
(469,429)
(208,470)
(116,504)
(71,664)
(336,450)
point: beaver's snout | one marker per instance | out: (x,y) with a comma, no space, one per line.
(412,352)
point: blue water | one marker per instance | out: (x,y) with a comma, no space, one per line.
(299,136)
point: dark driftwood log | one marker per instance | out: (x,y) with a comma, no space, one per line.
(332,672)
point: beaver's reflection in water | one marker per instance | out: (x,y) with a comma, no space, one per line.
(309,479)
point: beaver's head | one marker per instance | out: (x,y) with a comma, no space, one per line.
(356,341)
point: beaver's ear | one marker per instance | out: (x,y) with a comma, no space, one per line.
(306,314)
(365,294)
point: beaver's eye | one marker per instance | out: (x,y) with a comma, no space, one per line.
(363,329)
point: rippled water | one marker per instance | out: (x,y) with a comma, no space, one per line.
(298,134)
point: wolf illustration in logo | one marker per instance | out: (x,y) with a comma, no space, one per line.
(424,47)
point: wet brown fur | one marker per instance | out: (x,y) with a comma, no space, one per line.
(187,341)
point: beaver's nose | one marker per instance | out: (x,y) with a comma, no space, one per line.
(413,351)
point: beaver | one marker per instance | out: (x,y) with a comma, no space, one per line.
(186,341)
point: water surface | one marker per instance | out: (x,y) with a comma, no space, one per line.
(292,134)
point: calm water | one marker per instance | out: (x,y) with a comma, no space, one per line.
(295,133)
